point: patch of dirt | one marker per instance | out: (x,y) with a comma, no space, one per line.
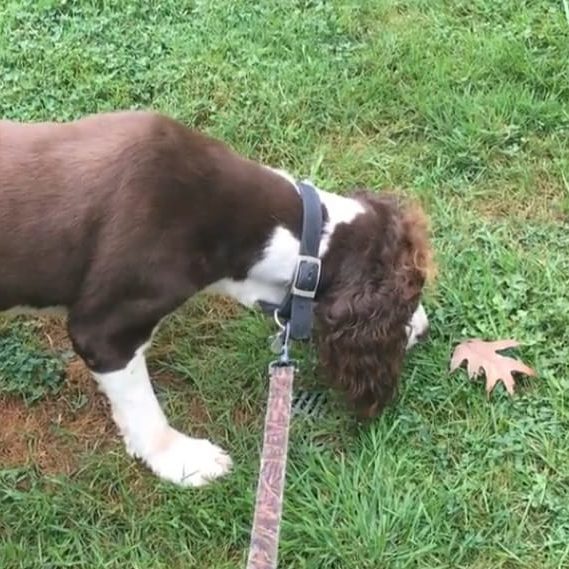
(53,334)
(54,433)
(246,416)
(545,203)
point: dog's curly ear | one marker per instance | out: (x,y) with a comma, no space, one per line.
(377,268)
(362,340)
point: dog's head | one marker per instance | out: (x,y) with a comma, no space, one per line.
(370,309)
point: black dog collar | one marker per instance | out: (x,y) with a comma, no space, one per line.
(298,304)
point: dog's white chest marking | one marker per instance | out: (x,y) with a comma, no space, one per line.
(268,279)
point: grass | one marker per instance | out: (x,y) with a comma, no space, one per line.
(464,103)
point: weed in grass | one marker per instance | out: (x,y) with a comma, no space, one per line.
(26,370)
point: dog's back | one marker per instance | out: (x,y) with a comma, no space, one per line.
(59,186)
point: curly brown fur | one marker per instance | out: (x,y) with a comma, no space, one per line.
(375,274)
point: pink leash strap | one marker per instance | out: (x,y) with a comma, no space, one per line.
(263,550)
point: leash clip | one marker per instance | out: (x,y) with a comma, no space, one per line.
(284,358)
(281,346)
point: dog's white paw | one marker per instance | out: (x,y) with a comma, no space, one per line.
(188,462)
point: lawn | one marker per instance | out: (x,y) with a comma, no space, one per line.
(462,103)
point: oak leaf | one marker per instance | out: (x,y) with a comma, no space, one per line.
(481,356)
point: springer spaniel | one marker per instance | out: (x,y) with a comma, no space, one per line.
(120,217)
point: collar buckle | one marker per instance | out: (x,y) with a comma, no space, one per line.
(306,276)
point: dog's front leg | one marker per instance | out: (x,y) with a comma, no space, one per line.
(142,423)
(147,435)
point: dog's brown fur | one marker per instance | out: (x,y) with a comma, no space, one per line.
(121,217)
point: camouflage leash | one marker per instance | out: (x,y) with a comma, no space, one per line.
(296,310)
(263,550)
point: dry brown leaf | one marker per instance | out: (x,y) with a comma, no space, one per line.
(481,356)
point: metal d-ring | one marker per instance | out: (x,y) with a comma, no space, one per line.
(277,320)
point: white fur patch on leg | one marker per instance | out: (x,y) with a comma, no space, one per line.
(147,434)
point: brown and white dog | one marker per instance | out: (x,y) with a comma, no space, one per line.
(120,217)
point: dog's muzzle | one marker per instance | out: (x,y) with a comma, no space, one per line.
(418,327)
